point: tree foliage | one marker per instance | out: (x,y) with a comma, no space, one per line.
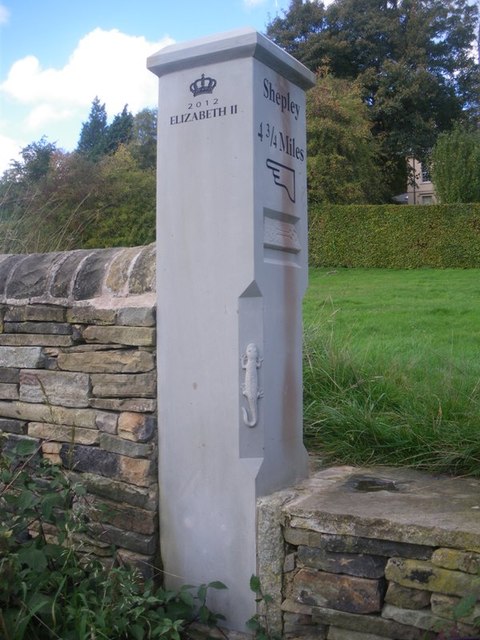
(456,166)
(413,59)
(101,195)
(343,155)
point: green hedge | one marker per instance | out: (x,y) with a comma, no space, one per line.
(394,236)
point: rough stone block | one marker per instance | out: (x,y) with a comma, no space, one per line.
(13,426)
(136,426)
(296,622)
(466,561)
(36,313)
(352,564)
(55,388)
(140,405)
(445,607)
(91,315)
(7,266)
(91,274)
(62,283)
(46,328)
(346,593)
(145,565)
(424,575)
(125,517)
(63,433)
(33,340)
(129,336)
(421,619)
(112,385)
(137,316)
(142,276)
(146,498)
(31,276)
(335,633)
(51,452)
(125,447)
(9,375)
(370,624)
(119,270)
(352,544)
(115,361)
(94,460)
(8,391)
(44,413)
(107,422)
(407,598)
(129,540)
(21,357)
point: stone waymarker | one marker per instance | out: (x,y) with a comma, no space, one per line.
(232,256)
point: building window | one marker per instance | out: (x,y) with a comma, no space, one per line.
(427,199)
(426,177)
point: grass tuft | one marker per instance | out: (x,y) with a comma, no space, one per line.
(378,388)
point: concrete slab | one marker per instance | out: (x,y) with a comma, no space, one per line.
(386,503)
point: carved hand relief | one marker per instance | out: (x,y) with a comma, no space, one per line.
(250,389)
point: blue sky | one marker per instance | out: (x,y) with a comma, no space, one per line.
(57,55)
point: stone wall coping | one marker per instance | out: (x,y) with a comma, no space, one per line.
(104,278)
(401,505)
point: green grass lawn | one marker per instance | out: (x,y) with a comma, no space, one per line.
(392,367)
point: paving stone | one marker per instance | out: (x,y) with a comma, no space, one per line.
(130,336)
(112,385)
(46,328)
(35,312)
(44,413)
(136,426)
(407,598)
(467,561)
(55,387)
(21,357)
(63,433)
(8,391)
(9,375)
(116,361)
(145,405)
(352,544)
(125,447)
(346,593)
(424,575)
(352,564)
(370,624)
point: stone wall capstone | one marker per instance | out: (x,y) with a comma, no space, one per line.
(78,375)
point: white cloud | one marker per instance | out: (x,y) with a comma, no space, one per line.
(107,64)
(253,3)
(9,150)
(4,14)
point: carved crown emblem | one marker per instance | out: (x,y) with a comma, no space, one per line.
(203,85)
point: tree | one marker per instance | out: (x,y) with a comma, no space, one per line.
(34,164)
(343,156)
(456,165)
(413,59)
(93,135)
(143,145)
(120,131)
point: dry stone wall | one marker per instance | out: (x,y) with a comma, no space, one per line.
(380,554)
(78,375)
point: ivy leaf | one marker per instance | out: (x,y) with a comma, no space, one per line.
(255,585)
(216,584)
(26,447)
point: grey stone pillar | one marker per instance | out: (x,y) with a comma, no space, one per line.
(232,271)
